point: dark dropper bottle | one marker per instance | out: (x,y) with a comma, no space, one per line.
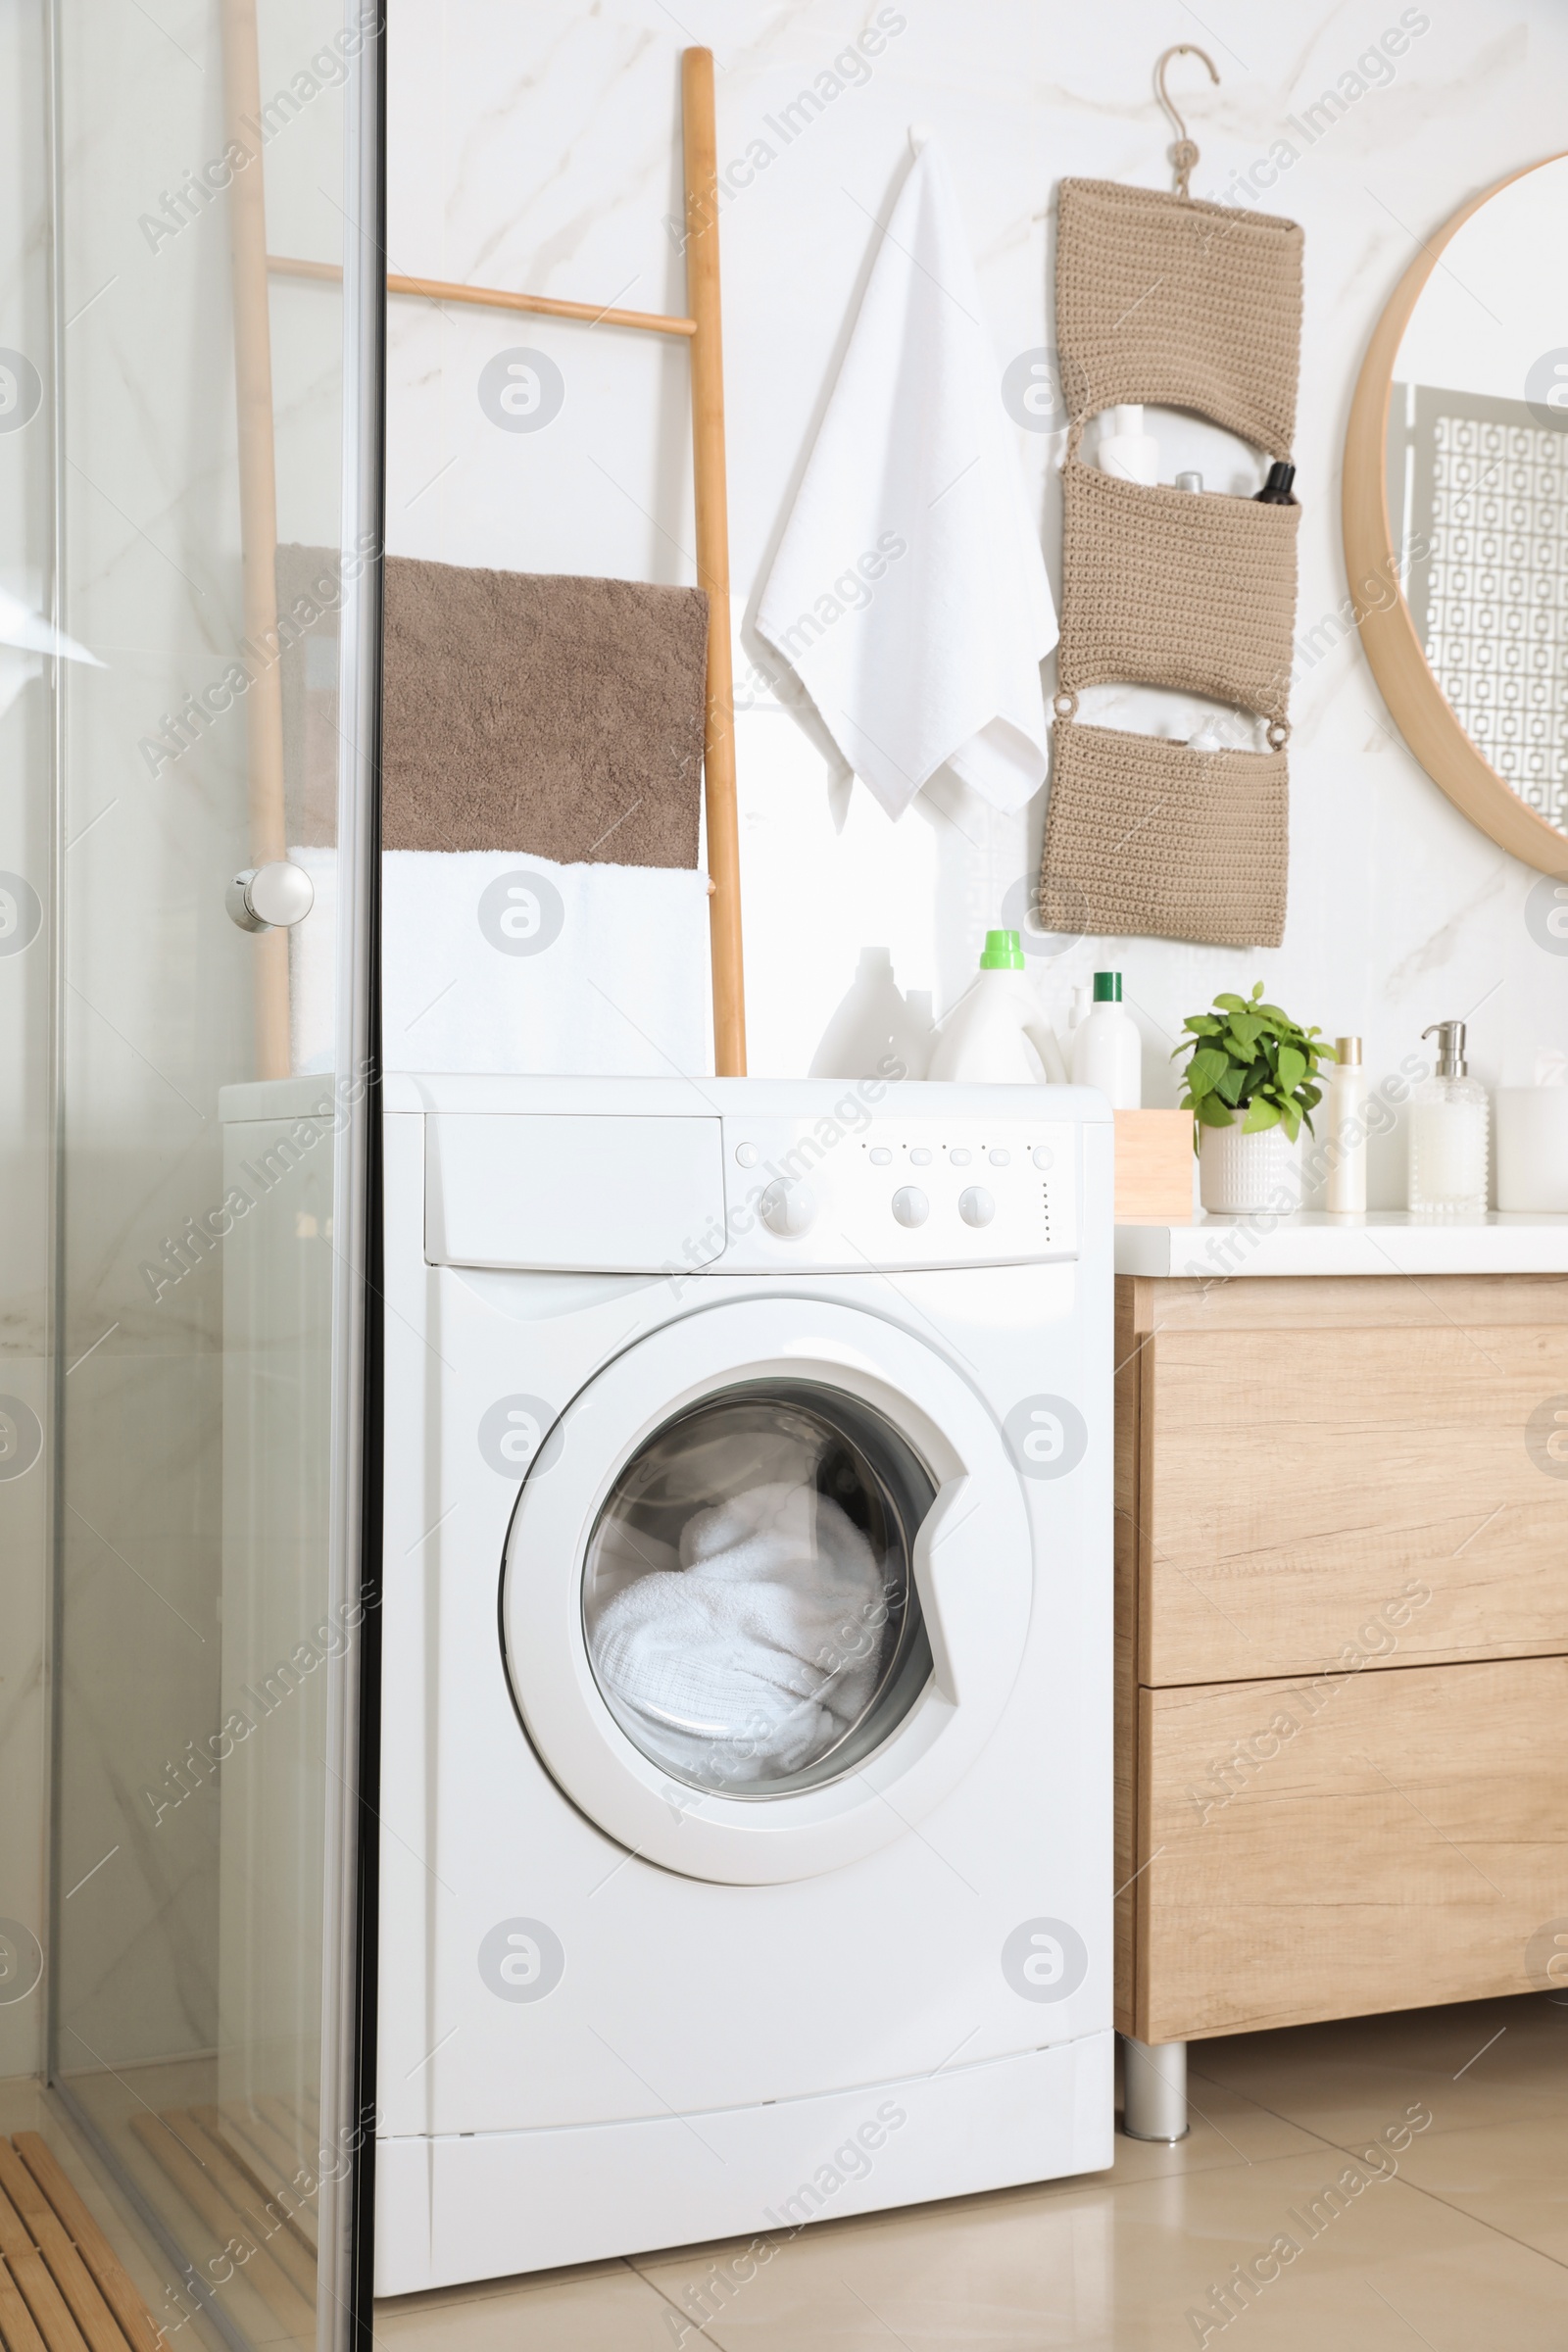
(1276,491)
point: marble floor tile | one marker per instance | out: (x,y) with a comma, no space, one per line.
(1107,2269)
(605,2307)
(1512,2176)
(1476,2062)
(1225,2127)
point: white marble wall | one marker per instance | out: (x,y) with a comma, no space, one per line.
(538,148)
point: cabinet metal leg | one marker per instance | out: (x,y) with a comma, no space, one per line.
(1155,2089)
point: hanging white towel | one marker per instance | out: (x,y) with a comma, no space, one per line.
(496,962)
(910,593)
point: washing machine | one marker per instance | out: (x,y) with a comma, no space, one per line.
(746,1789)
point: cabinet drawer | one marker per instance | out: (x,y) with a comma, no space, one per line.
(1312,1495)
(1328,1846)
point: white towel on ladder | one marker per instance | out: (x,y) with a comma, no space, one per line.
(910,593)
(496,960)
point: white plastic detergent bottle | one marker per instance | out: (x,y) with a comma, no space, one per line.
(872,1026)
(985,1039)
(1108,1050)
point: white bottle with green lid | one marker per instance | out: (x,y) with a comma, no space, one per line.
(985,1039)
(1107,1049)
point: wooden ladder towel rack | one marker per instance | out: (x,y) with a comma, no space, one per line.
(702,332)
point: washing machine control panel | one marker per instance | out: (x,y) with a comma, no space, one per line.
(908,1193)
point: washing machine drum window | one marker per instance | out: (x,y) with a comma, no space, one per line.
(749,1597)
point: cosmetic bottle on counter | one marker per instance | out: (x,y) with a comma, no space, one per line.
(1449,1124)
(1347,1130)
(1108,1050)
(1126,450)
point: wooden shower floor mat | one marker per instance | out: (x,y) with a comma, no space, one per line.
(233,2167)
(62,2285)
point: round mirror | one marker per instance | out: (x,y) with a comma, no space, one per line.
(1456,511)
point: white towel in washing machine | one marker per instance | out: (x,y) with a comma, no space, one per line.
(755,1655)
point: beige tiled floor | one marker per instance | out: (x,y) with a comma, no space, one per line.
(1465,2247)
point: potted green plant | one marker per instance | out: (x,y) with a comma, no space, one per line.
(1252,1084)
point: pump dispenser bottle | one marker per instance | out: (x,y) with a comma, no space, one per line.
(1450,1123)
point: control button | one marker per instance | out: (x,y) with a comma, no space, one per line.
(919,1157)
(881,1156)
(1000,1159)
(910,1206)
(1044,1157)
(788,1209)
(745,1155)
(959,1158)
(977,1207)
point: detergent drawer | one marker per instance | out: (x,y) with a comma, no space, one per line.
(569,1192)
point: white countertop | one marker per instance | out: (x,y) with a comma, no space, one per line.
(1386,1240)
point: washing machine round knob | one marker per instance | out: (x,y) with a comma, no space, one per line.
(910,1206)
(788,1209)
(977,1207)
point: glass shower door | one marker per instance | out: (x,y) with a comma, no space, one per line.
(214,407)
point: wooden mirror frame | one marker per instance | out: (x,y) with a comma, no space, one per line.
(1397,658)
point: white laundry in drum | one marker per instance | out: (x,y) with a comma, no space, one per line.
(760,1650)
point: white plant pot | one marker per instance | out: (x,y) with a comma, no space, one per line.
(1239,1174)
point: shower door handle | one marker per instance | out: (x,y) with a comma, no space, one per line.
(265,898)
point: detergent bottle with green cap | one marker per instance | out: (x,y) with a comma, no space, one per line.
(1108,1050)
(986,1039)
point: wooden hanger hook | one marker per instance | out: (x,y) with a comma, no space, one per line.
(1184,154)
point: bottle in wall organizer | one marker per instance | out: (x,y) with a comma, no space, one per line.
(1450,1123)
(1108,1050)
(1277,491)
(1347,1130)
(1126,450)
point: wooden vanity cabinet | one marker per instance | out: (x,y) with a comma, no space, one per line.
(1341,1644)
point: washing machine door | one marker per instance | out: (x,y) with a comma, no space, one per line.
(767,1590)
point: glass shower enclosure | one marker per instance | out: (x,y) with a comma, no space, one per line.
(190,472)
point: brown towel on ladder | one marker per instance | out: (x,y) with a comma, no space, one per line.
(555,715)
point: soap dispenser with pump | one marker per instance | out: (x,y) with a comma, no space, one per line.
(1449,1125)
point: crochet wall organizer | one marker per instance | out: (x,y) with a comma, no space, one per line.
(1166,298)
